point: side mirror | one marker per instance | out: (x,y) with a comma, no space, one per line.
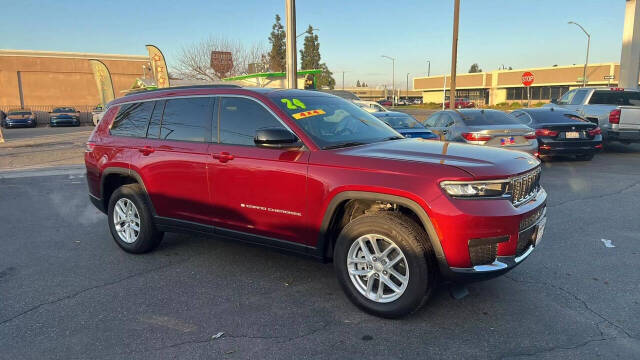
(276,138)
(554,101)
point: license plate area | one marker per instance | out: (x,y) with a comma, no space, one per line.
(572,135)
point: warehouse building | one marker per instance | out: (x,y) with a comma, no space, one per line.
(500,86)
(39,80)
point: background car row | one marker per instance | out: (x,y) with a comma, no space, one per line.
(60,116)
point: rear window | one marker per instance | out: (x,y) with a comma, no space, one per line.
(132,119)
(487,118)
(402,122)
(607,97)
(63,110)
(19,113)
(554,117)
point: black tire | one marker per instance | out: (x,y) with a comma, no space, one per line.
(585,157)
(413,242)
(148,237)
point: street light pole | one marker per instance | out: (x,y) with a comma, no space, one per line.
(343,79)
(454,54)
(292,66)
(428,68)
(393,79)
(584,72)
(407,87)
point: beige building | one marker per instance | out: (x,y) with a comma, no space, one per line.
(45,79)
(495,87)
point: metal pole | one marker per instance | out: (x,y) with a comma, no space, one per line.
(454,54)
(428,68)
(586,62)
(393,80)
(292,67)
(20,90)
(444,91)
(343,80)
(407,87)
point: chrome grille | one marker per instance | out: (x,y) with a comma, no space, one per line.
(525,186)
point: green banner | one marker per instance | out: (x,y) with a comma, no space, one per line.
(103,81)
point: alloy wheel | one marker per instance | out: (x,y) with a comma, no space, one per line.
(126,220)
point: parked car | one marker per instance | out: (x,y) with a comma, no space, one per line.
(369,106)
(64,116)
(615,110)
(309,172)
(385,102)
(562,132)
(348,95)
(406,125)
(483,127)
(460,103)
(96,114)
(20,118)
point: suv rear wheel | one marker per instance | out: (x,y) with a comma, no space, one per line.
(130,220)
(384,264)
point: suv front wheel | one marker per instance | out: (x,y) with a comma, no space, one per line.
(385,264)
(130,220)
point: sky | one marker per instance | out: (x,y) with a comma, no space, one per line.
(353,34)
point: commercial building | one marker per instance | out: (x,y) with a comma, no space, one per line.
(42,79)
(500,86)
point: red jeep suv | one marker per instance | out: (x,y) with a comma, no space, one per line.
(314,174)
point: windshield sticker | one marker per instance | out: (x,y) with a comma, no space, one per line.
(293,104)
(306,114)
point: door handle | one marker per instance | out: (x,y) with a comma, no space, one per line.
(223,157)
(146,150)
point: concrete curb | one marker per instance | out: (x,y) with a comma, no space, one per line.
(43,171)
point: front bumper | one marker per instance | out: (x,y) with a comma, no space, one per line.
(63,122)
(19,123)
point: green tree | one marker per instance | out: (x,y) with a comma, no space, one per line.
(475,68)
(278,52)
(310,59)
(325,79)
(358,83)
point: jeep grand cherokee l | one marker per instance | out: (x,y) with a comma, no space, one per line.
(315,174)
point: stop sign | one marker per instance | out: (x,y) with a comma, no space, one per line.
(527,78)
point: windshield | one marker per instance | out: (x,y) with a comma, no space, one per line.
(402,122)
(487,118)
(334,122)
(19,113)
(64,110)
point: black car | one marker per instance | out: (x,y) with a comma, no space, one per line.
(19,118)
(64,116)
(562,132)
(405,124)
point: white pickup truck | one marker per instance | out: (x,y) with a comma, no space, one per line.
(615,110)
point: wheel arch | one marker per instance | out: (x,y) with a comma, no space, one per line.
(114,177)
(326,237)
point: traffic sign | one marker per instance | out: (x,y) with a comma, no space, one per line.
(609,77)
(527,78)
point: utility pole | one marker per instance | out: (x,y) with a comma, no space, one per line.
(584,72)
(407,87)
(454,54)
(292,66)
(630,55)
(428,68)
(393,79)
(343,79)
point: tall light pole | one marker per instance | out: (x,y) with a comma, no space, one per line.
(454,54)
(584,72)
(393,79)
(428,68)
(408,87)
(292,66)
(343,79)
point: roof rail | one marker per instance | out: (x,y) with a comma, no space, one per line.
(209,86)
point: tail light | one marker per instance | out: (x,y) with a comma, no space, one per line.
(594,132)
(530,136)
(614,116)
(546,132)
(89,146)
(476,137)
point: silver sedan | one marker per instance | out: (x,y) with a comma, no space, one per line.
(483,127)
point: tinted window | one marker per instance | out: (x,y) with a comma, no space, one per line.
(551,117)
(156,118)
(522,116)
(445,120)
(578,98)
(615,98)
(241,117)
(402,122)
(431,121)
(132,119)
(333,122)
(566,98)
(63,110)
(488,118)
(187,119)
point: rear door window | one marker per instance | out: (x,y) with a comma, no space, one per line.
(156,119)
(608,97)
(241,117)
(132,119)
(187,119)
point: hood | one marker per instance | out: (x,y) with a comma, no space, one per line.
(481,162)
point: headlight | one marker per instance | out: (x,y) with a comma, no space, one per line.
(476,189)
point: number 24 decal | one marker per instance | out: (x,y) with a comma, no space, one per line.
(294,104)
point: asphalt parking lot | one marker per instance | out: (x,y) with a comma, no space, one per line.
(68,292)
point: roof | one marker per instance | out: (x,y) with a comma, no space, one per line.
(77,55)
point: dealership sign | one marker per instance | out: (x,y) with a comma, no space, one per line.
(221,62)
(527,78)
